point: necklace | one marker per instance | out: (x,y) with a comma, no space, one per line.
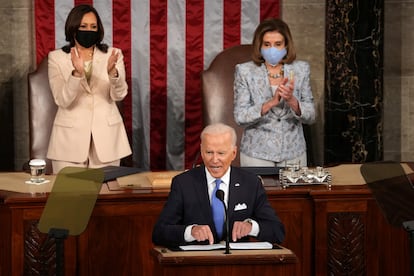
(85,52)
(276,76)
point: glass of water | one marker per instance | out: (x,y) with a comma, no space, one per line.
(37,170)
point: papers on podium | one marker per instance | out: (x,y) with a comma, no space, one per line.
(233,245)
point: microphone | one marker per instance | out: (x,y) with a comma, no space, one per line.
(220,196)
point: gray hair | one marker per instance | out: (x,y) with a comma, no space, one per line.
(219,128)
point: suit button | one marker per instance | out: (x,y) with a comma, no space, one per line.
(278,119)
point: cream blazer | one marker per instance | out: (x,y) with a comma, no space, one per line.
(87,111)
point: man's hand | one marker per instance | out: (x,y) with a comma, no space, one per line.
(241,229)
(202,233)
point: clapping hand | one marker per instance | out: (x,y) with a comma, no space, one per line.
(77,62)
(112,71)
(285,89)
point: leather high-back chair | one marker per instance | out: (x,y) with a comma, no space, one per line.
(42,111)
(217,87)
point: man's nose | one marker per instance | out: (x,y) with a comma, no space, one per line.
(216,157)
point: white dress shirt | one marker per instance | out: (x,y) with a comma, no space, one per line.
(224,186)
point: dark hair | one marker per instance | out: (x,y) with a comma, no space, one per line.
(73,22)
(269,25)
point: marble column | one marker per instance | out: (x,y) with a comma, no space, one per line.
(354,81)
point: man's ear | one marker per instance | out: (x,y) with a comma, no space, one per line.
(234,153)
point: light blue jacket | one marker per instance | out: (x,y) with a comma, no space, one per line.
(277,135)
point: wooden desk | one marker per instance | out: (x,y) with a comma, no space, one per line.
(239,262)
(332,232)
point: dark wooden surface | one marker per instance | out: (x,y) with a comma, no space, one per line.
(262,262)
(332,232)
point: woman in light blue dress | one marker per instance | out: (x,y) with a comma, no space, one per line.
(272,99)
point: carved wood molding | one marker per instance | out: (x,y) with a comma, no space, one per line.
(39,251)
(346,244)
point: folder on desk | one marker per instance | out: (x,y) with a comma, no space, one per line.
(113,172)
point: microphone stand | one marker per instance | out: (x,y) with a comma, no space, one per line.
(220,196)
(227,230)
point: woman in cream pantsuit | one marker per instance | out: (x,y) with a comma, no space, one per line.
(87,78)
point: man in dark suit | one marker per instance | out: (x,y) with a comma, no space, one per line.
(187,216)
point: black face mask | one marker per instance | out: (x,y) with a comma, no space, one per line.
(86,38)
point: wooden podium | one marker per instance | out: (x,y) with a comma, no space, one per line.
(240,262)
(333,231)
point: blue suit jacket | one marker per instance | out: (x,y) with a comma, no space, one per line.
(188,203)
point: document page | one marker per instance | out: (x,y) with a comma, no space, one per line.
(202,247)
(251,245)
(233,245)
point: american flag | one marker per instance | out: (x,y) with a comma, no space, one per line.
(166,45)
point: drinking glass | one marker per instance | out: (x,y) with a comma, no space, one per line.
(37,170)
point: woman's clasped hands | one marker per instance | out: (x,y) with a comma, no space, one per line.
(285,90)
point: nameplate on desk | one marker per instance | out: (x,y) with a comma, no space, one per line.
(232,245)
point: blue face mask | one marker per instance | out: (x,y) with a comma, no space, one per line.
(273,55)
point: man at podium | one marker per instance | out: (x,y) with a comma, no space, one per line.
(194,212)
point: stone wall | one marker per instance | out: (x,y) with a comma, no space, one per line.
(399,80)
(16,60)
